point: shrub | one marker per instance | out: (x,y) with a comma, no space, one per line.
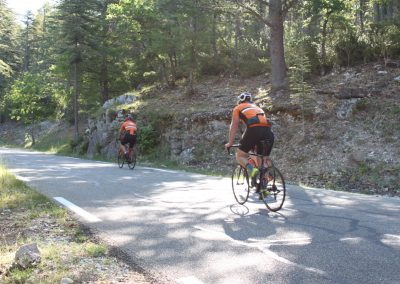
(148,138)
(96,250)
(150,77)
(361,105)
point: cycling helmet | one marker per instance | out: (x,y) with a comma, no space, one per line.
(244,97)
(128,117)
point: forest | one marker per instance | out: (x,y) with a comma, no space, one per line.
(65,60)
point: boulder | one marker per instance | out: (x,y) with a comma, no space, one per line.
(346,109)
(127,98)
(27,256)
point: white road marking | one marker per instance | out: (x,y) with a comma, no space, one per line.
(86,215)
(189,280)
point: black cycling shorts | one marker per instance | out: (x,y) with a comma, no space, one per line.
(128,138)
(252,138)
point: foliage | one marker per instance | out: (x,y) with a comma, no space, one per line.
(9,56)
(87,52)
(96,250)
(30,100)
(384,40)
(148,138)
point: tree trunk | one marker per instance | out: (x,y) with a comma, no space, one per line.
(323,42)
(33,130)
(390,10)
(76,122)
(236,44)
(362,15)
(193,52)
(104,82)
(27,49)
(214,34)
(377,13)
(278,76)
(173,70)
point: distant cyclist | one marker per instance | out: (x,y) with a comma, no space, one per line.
(258,129)
(127,134)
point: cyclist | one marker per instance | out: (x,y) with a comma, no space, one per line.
(258,128)
(127,134)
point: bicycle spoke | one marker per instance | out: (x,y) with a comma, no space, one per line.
(274,193)
(240,184)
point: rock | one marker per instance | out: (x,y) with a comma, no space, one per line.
(350,93)
(357,158)
(187,155)
(346,109)
(27,256)
(397,78)
(66,280)
(348,76)
(392,64)
(127,98)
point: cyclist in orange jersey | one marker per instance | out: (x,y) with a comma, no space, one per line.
(258,129)
(127,134)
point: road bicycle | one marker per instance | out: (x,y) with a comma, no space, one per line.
(129,159)
(269,183)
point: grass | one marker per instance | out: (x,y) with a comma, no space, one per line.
(14,193)
(62,242)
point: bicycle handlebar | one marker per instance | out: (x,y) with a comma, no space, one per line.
(233,146)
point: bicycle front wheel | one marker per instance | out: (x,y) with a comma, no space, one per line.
(273,189)
(240,184)
(121,160)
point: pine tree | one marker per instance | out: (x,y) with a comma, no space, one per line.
(77,42)
(9,57)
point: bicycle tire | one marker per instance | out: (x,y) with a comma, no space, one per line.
(272,188)
(132,164)
(240,184)
(121,160)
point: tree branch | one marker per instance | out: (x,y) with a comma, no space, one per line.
(254,12)
(288,5)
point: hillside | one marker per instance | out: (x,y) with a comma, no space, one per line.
(343,134)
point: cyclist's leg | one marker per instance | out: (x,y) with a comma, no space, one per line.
(266,141)
(132,141)
(247,143)
(122,148)
(242,158)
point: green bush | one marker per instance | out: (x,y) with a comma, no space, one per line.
(150,77)
(249,67)
(96,250)
(361,105)
(148,138)
(350,50)
(213,65)
(84,147)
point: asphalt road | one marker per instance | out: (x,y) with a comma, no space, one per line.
(187,228)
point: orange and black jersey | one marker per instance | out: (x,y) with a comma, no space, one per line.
(250,114)
(128,126)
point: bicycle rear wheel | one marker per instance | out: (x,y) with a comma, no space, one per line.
(272,189)
(121,159)
(240,184)
(132,163)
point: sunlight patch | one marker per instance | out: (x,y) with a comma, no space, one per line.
(351,240)
(391,240)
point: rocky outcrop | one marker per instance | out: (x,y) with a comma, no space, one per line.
(101,132)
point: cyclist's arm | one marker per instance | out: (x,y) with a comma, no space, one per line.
(233,128)
(121,131)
